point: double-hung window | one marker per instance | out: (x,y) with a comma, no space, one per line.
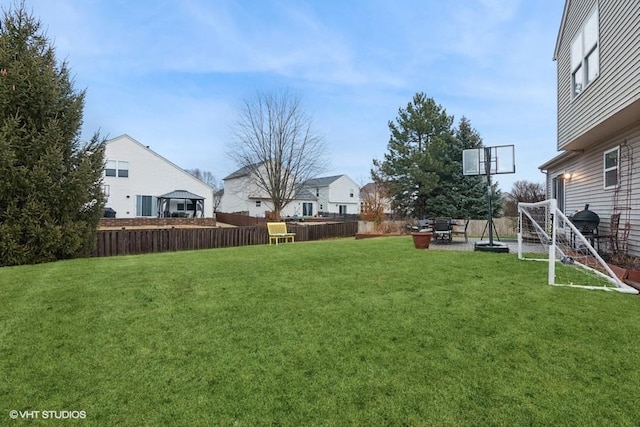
(585,55)
(110,168)
(611,167)
(119,168)
(123,169)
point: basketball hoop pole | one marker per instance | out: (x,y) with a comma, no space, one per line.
(487,167)
(472,164)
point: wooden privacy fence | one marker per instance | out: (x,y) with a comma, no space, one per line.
(142,241)
(240,220)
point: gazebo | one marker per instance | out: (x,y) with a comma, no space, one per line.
(182,203)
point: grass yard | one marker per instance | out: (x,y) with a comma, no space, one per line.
(342,332)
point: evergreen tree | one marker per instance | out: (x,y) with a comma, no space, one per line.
(50,184)
(523,191)
(457,195)
(417,152)
(423,167)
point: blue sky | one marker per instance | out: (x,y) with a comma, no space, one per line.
(172,74)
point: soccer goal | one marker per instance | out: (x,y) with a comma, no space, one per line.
(546,234)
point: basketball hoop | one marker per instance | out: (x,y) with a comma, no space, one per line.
(499,159)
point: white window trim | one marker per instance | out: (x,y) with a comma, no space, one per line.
(111,165)
(557,182)
(616,168)
(585,54)
(123,165)
(120,165)
(139,208)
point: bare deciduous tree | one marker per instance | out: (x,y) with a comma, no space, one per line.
(523,191)
(211,180)
(206,177)
(274,141)
(374,200)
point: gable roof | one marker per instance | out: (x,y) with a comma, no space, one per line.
(563,21)
(372,188)
(150,151)
(243,171)
(305,195)
(322,182)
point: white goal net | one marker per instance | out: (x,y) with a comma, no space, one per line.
(546,234)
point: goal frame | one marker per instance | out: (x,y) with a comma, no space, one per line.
(549,235)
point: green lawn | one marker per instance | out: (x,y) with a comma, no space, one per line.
(342,332)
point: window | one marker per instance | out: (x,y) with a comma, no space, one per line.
(117,168)
(342,209)
(611,167)
(110,168)
(258,203)
(585,55)
(123,169)
(351,192)
(145,205)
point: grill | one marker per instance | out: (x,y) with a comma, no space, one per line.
(586,221)
(109,213)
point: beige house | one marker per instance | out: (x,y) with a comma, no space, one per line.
(598,91)
(372,197)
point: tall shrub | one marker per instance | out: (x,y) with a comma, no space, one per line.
(50,183)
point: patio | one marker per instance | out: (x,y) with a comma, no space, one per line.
(461,245)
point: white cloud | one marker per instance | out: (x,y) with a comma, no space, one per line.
(171,73)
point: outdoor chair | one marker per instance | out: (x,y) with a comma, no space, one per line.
(462,232)
(612,237)
(442,229)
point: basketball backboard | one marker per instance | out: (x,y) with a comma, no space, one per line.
(501,159)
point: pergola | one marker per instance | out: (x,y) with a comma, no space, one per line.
(164,203)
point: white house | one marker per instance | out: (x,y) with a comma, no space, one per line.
(242,194)
(141,183)
(337,194)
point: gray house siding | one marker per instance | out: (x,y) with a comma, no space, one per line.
(618,84)
(587,184)
(604,115)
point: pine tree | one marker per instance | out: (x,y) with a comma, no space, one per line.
(410,169)
(422,169)
(50,183)
(456,195)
